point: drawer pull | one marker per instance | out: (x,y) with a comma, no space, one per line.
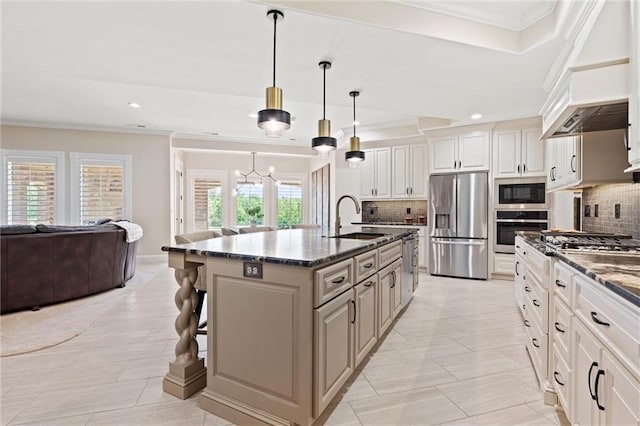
(339,280)
(517,263)
(597,320)
(527,289)
(557,327)
(369,284)
(354,312)
(535,342)
(524,307)
(393,275)
(559,284)
(368,265)
(526,323)
(536,303)
(555,377)
(593,365)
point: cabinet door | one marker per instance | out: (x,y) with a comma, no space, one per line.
(532,153)
(385,300)
(634,99)
(622,401)
(506,154)
(367,180)
(473,151)
(365,326)
(383,173)
(442,155)
(423,248)
(571,158)
(586,365)
(400,172)
(418,171)
(397,287)
(556,148)
(333,338)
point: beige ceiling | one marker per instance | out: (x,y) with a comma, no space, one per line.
(202,67)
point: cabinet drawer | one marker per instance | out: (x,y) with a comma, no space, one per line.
(389,253)
(365,264)
(538,265)
(537,300)
(521,247)
(536,343)
(562,283)
(331,281)
(561,377)
(560,328)
(615,322)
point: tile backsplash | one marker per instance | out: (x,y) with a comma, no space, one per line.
(604,200)
(392,211)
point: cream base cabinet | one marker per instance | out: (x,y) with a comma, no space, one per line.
(397,286)
(622,397)
(365,317)
(334,348)
(385,300)
(586,367)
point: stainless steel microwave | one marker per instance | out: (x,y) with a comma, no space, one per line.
(522,193)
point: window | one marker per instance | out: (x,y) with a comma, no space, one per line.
(207,197)
(249,203)
(32,185)
(100,187)
(289,203)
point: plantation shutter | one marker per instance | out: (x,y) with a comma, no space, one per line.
(30,192)
(202,191)
(101,192)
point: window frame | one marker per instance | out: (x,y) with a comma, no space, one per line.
(304,183)
(79,159)
(57,158)
(192,175)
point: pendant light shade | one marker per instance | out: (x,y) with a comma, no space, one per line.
(324,142)
(273,119)
(354,155)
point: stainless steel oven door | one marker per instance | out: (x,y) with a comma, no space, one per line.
(506,229)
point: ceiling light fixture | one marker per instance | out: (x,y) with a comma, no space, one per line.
(354,155)
(476,116)
(273,120)
(134,105)
(324,142)
(246,179)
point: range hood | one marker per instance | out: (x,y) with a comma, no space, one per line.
(588,100)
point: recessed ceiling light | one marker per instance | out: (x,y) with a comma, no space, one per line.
(134,105)
(476,116)
(252,115)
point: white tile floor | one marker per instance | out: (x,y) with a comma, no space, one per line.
(454,356)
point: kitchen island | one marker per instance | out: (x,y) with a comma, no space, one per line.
(290,314)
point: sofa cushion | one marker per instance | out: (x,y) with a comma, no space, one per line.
(196,236)
(17,229)
(64,228)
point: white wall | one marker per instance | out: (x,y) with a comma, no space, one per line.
(347,181)
(150,170)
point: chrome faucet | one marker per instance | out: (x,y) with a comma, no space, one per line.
(355,201)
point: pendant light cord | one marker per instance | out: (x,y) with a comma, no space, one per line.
(354,115)
(275,20)
(324,91)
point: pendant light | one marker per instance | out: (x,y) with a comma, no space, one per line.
(324,142)
(274,119)
(354,155)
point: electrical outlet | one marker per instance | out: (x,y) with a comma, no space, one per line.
(616,211)
(252,269)
(587,211)
(596,210)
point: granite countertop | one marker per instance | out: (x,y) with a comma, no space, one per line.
(389,223)
(618,272)
(298,247)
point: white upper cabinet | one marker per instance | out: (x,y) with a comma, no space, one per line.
(409,167)
(468,152)
(518,153)
(634,100)
(375,174)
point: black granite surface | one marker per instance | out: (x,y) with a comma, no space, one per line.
(388,223)
(298,247)
(618,272)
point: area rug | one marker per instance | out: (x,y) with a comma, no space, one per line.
(28,331)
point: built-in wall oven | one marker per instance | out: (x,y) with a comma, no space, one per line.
(508,222)
(521,193)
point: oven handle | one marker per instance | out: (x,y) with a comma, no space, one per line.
(520,221)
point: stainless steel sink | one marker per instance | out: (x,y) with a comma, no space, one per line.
(360,236)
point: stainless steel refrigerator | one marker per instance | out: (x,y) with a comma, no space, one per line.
(458,219)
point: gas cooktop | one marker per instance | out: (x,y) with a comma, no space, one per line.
(591,242)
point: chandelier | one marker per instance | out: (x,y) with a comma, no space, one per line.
(253,177)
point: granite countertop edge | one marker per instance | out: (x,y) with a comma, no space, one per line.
(616,288)
(362,246)
(388,224)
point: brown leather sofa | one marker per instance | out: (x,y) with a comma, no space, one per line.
(46,264)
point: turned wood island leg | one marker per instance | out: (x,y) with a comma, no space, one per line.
(187,374)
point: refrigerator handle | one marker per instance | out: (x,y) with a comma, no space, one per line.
(459,243)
